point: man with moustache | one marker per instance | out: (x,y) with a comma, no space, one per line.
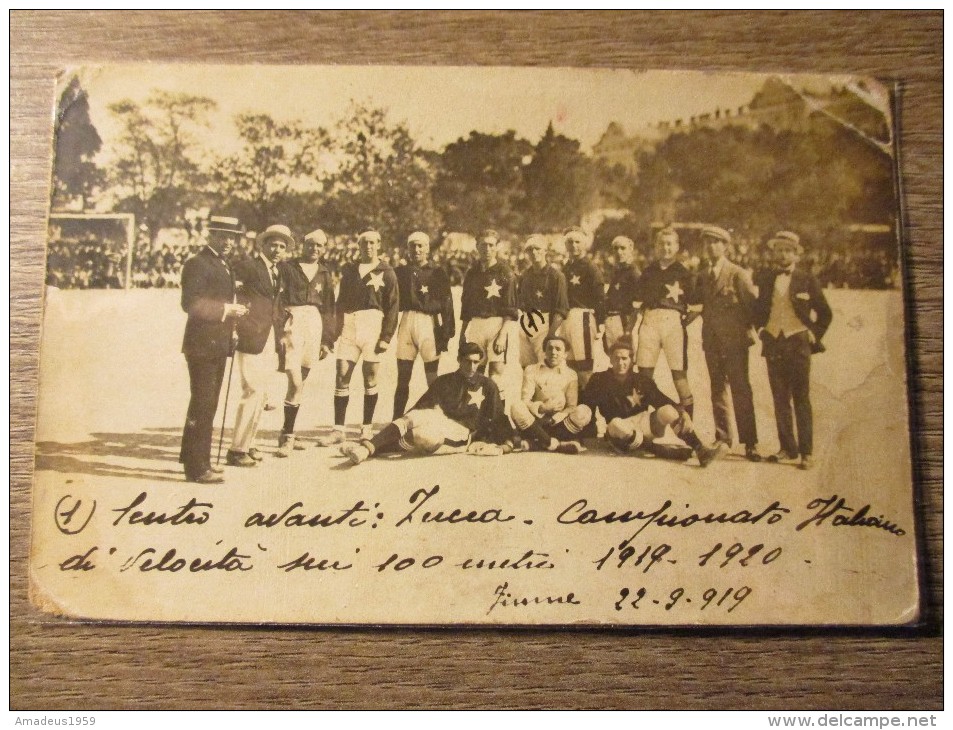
(793,315)
(208,297)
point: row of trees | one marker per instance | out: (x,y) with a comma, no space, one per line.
(368,169)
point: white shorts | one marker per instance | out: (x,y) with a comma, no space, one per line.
(415,335)
(301,337)
(428,429)
(531,345)
(615,331)
(359,336)
(625,428)
(579,329)
(484,330)
(662,330)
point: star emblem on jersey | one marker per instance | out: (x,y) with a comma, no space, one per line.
(674,291)
(635,399)
(575,280)
(539,293)
(617,286)
(376,281)
(492,290)
(476,397)
(424,289)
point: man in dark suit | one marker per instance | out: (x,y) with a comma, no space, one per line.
(728,296)
(208,297)
(259,286)
(794,315)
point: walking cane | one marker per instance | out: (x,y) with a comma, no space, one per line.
(228,387)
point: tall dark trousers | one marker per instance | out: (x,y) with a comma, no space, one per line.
(789,373)
(205,382)
(728,368)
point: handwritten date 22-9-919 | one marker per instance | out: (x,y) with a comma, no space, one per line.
(727,598)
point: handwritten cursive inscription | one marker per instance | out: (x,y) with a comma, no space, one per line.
(505,599)
(190,513)
(835,509)
(170,562)
(455,516)
(293,517)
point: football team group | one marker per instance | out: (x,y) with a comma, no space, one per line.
(550,320)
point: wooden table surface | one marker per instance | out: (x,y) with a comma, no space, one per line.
(61,666)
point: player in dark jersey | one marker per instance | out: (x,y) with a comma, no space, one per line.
(309,328)
(541,294)
(488,306)
(624,398)
(664,293)
(427,322)
(461,411)
(587,304)
(366,320)
(621,313)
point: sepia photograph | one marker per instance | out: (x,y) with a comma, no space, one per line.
(456,346)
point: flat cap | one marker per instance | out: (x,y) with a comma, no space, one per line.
(719,234)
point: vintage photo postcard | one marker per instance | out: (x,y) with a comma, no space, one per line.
(464,346)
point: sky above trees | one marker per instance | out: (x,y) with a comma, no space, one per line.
(439,105)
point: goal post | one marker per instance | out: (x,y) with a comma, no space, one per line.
(63,226)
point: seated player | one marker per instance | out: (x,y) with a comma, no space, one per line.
(460,412)
(548,414)
(624,398)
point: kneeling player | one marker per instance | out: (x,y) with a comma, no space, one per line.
(461,411)
(624,399)
(548,414)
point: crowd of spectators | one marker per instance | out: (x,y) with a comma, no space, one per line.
(85,263)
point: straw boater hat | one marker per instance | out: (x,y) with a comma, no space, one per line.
(787,237)
(224,224)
